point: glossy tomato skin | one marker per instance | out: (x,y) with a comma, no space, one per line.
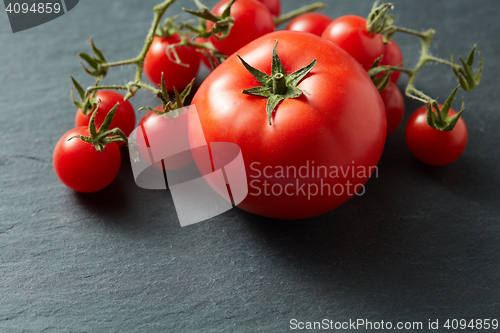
(166,139)
(146,117)
(149,115)
(432,146)
(251,20)
(392,57)
(81,167)
(314,23)
(394,104)
(274,6)
(176,75)
(349,32)
(124,117)
(341,123)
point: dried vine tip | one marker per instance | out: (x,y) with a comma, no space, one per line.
(94,61)
(466,77)
(379,21)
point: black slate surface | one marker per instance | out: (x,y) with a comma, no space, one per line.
(422,243)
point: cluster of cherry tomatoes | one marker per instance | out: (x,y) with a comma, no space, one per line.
(83,168)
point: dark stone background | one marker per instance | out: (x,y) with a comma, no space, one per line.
(423,243)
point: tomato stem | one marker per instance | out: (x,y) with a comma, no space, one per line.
(100,66)
(115,87)
(279,84)
(379,21)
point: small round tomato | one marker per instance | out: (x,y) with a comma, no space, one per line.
(392,57)
(432,146)
(251,20)
(394,107)
(80,166)
(314,23)
(274,6)
(176,75)
(148,115)
(329,129)
(163,140)
(350,33)
(124,118)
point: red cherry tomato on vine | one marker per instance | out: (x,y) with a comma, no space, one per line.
(124,117)
(81,167)
(274,6)
(392,57)
(149,115)
(332,127)
(163,140)
(314,23)
(350,33)
(432,146)
(394,107)
(251,20)
(176,75)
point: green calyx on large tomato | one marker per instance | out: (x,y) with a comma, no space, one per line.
(339,126)
(279,85)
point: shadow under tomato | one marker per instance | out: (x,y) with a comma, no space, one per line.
(400,242)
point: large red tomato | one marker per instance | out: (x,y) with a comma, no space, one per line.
(251,20)
(350,33)
(338,127)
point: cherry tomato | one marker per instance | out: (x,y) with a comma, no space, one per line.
(394,107)
(176,75)
(314,23)
(349,32)
(80,166)
(332,127)
(163,140)
(392,57)
(124,117)
(251,20)
(432,146)
(274,6)
(148,115)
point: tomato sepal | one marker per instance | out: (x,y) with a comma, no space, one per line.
(94,61)
(88,102)
(468,80)
(103,136)
(439,119)
(278,86)
(379,22)
(222,24)
(169,106)
(380,81)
